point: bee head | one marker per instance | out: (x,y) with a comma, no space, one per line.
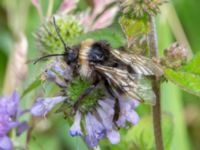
(71,55)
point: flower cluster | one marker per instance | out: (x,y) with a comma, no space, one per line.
(175,56)
(9,111)
(46,36)
(58,72)
(138,8)
(97,113)
(101,122)
(72,26)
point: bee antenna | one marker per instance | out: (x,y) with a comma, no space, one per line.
(43,57)
(59,35)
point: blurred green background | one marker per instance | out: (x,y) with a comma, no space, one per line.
(178,21)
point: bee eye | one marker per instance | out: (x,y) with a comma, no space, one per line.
(70,57)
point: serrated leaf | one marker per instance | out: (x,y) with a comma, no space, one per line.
(115,38)
(142,138)
(193,65)
(37,82)
(133,27)
(187,81)
(136,32)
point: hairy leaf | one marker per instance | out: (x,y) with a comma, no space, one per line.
(193,65)
(187,81)
(133,27)
(136,32)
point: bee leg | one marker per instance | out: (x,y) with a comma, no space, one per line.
(112,93)
(84,94)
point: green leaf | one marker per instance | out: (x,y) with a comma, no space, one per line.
(115,38)
(193,65)
(37,82)
(187,81)
(136,32)
(142,138)
(133,28)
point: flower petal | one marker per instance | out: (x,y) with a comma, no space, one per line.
(127,112)
(91,141)
(106,118)
(107,106)
(121,122)
(52,77)
(44,105)
(95,130)
(6,124)
(99,6)
(67,5)
(113,136)
(105,19)
(76,127)
(35,3)
(13,105)
(62,69)
(9,104)
(5,143)
(132,117)
(23,126)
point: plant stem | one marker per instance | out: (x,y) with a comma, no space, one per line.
(153,44)
(50,8)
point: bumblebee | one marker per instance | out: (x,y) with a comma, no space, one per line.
(121,72)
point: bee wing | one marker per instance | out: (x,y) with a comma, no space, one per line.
(132,85)
(140,64)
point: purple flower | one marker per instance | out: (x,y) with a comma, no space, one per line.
(44,105)
(95,130)
(6,123)
(9,104)
(100,122)
(5,143)
(58,73)
(127,112)
(106,113)
(113,136)
(9,113)
(107,106)
(62,69)
(76,127)
(8,110)
(52,77)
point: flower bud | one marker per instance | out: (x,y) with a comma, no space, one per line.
(47,38)
(139,8)
(175,56)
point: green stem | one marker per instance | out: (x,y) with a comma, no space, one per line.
(153,44)
(50,8)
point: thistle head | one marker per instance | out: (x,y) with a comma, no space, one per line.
(140,8)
